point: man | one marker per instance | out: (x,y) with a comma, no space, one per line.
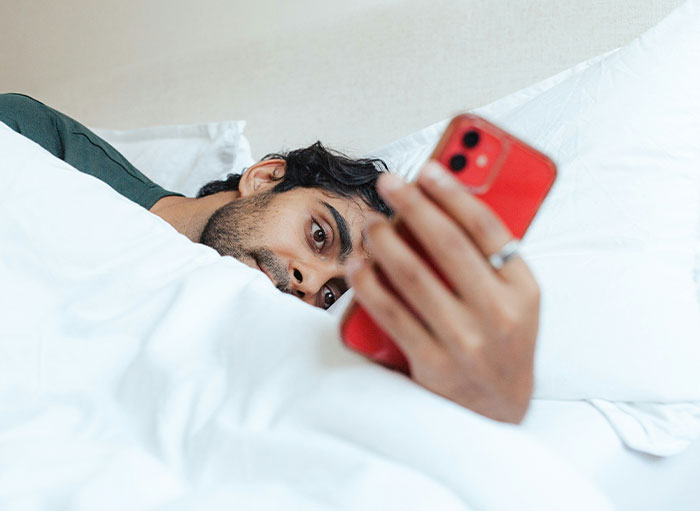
(309,218)
(295,216)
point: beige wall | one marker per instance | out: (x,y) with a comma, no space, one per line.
(354,74)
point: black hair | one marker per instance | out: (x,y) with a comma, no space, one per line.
(318,167)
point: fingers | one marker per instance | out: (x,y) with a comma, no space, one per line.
(417,283)
(482,224)
(390,314)
(445,241)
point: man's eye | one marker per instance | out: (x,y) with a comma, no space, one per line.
(328,298)
(318,235)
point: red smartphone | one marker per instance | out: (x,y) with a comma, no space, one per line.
(502,171)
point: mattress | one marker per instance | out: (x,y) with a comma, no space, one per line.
(630,479)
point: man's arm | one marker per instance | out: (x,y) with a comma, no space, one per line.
(78,146)
(474,345)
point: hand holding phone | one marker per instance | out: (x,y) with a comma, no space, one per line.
(431,304)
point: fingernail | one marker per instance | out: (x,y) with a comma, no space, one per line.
(436,173)
(390,182)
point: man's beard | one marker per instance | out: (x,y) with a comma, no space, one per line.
(235,230)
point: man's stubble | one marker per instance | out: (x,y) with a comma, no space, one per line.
(236,230)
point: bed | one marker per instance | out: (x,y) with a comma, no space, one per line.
(631,479)
(142,371)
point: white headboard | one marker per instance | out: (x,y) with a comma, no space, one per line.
(355,75)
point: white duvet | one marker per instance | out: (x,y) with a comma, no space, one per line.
(140,370)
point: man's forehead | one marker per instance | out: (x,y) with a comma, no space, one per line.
(347,205)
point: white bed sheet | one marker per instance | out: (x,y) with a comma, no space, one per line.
(632,480)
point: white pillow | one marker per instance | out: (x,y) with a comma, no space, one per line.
(182,158)
(624,215)
(614,247)
(407,155)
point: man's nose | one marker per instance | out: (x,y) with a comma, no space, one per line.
(307,281)
(297,283)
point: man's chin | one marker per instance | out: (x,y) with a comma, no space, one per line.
(252,262)
(262,269)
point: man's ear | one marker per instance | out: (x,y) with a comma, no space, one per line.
(260,177)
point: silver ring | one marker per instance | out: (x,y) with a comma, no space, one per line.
(501,257)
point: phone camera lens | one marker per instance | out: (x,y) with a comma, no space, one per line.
(470,139)
(458,162)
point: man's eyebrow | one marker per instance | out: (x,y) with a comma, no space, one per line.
(343,231)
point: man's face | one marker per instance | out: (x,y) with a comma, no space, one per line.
(301,239)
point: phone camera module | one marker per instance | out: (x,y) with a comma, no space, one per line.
(458,162)
(470,139)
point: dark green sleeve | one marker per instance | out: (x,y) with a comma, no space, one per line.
(73,143)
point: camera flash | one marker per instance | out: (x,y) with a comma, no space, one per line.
(481,160)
